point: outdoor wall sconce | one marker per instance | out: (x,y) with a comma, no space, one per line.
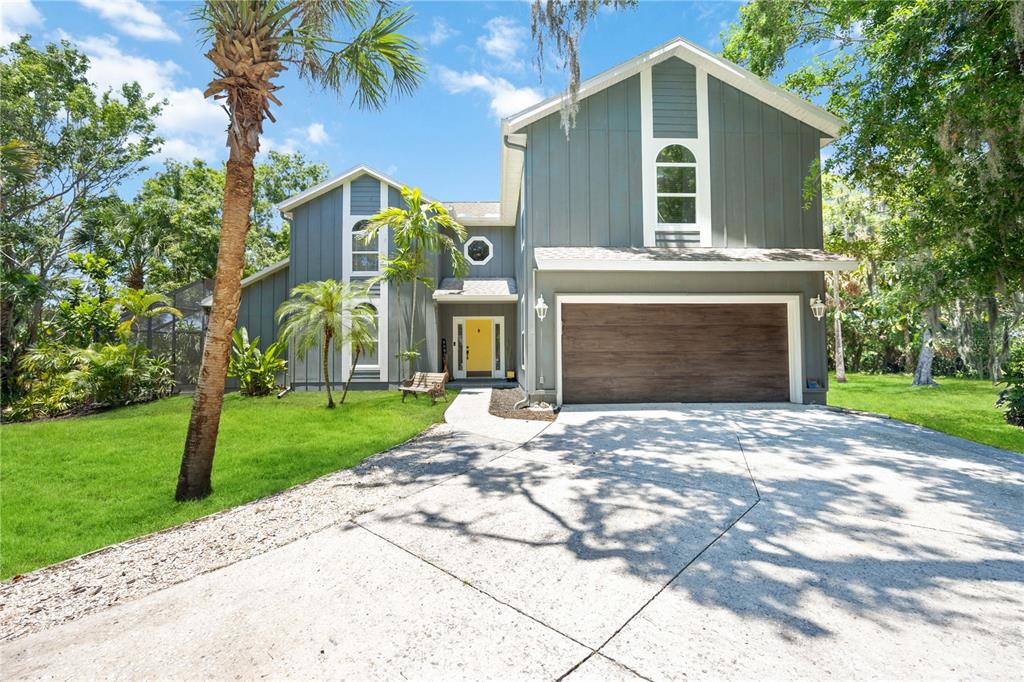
(817,308)
(541,308)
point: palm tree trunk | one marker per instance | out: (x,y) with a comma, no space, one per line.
(327,367)
(840,359)
(412,330)
(351,372)
(401,331)
(201,442)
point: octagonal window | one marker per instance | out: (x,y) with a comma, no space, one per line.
(478,250)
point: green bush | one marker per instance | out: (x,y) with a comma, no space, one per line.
(59,380)
(255,370)
(1011,398)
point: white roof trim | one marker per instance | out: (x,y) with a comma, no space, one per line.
(313,192)
(470,298)
(722,69)
(253,278)
(552,260)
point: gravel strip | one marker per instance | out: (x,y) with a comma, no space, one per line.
(71,589)
(503,401)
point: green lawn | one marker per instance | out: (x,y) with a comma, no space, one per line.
(74,485)
(961,407)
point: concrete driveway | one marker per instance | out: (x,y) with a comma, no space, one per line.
(658,542)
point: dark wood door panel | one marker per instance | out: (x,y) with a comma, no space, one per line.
(674,353)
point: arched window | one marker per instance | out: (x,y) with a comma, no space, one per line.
(364,255)
(676,169)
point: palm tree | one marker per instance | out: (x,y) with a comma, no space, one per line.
(253,41)
(420,228)
(136,305)
(321,312)
(125,234)
(362,334)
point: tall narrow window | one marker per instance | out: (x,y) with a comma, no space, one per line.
(676,169)
(369,357)
(365,255)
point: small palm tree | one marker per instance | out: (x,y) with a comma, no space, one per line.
(362,334)
(136,305)
(322,312)
(420,228)
(253,41)
(123,233)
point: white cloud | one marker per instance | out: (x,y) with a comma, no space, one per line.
(193,126)
(178,149)
(186,111)
(440,33)
(132,18)
(17,17)
(504,39)
(316,134)
(269,144)
(506,99)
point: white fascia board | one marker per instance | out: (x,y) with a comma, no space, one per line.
(464,298)
(578,265)
(313,192)
(724,70)
(253,278)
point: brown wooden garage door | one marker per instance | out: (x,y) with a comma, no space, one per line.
(674,353)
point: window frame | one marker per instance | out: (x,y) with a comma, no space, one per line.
(490,250)
(364,251)
(695,195)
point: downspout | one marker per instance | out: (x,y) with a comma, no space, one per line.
(529,311)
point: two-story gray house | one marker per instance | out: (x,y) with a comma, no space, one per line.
(667,235)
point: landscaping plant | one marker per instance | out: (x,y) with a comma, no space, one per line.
(422,227)
(252,42)
(319,313)
(255,369)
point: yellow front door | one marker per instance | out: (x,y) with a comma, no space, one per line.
(479,341)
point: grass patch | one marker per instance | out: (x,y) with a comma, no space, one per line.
(71,486)
(961,407)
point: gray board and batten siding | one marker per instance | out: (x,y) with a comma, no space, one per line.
(503,260)
(587,190)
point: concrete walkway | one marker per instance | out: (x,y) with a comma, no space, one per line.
(469,412)
(622,543)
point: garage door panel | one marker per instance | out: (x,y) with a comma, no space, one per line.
(674,352)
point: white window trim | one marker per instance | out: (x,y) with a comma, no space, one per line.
(495,319)
(348,221)
(794,323)
(650,146)
(490,251)
(365,250)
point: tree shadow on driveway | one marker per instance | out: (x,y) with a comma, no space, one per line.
(829,519)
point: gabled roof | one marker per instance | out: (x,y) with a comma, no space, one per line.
(722,69)
(324,187)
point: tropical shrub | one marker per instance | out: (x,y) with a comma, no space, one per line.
(255,370)
(60,380)
(1011,398)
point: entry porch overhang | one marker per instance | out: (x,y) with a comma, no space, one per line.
(655,259)
(477,290)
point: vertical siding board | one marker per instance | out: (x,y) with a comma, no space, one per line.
(634,163)
(753,181)
(600,182)
(716,147)
(540,170)
(579,180)
(560,187)
(792,179)
(618,192)
(774,224)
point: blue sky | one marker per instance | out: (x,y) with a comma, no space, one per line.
(444,138)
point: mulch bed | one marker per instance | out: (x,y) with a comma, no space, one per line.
(503,399)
